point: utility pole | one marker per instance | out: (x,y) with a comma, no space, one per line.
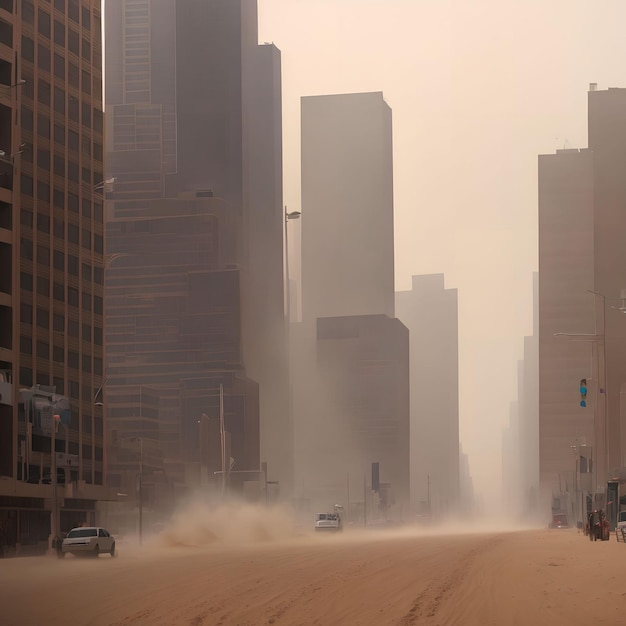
(348,496)
(223,440)
(364,501)
(140,490)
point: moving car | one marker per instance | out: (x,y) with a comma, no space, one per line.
(88,540)
(328,522)
(559,520)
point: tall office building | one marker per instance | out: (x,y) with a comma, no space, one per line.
(430,312)
(350,356)
(566,275)
(51,255)
(347,206)
(607,141)
(195,129)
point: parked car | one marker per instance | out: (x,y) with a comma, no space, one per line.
(559,520)
(88,540)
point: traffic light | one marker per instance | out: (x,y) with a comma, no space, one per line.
(583,392)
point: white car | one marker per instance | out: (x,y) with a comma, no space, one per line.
(88,540)
(328,522)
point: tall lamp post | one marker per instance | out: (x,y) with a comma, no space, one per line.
(222,440)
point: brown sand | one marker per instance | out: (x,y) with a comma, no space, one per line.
(484,579)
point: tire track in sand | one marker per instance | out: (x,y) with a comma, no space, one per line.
(426,605)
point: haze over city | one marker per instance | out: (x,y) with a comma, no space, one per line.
(478,90)
(312,311)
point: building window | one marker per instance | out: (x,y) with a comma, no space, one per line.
(86,301)
(73,74)
(72,296)
(26,313)
(43,350)
(86,272)
(26,218)
(26,377)
(28,48)
(86,18)
(59,94)
(58,291)
(28,12)
(59,72)
(43,318)
(26,184)
(72,328)
(59,165)
(6,33)
(72,140)
(58,355)
(59,134)
(86,50)
(72,10)
(26,281)
(43,58)
(59,33)
(97,336)
(43,193)
(43,123)
(43,223)
(44,95)
(26,345)
(72,266)
(58,323)
(72,359)
(72,171)
(27,249)
(72,233)
(86,115)
(73,42)
(44,23)
(43,159)
(27,118)
(86,86)
(43,286)
(58,262)
(43,255)
(97,305)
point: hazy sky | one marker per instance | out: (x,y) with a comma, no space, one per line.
(478,89)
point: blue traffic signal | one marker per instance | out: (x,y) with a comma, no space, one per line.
(583,392)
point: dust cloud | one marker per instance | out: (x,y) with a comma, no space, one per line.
(199,524)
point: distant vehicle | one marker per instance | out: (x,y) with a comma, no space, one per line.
(621,525)
(328,522)
(88,540)
(559,520)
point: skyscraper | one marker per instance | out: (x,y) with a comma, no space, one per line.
(51,255)
(196,128)
(430,312)
(350,354)
(566,274)
(347,206)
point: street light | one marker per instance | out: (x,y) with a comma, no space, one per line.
(293,215)
(222,438)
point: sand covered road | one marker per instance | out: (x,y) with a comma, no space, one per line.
(531,577)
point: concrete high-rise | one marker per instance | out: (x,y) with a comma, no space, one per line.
(350,355)
(607,141)
(347,206)
(566,274)
(51,260)
(201,67)
(430,312)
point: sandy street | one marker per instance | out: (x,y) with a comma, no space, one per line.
(488,579)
